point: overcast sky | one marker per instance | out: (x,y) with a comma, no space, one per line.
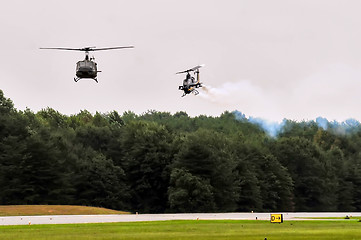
(276,59)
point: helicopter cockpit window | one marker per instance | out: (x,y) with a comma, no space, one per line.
(83,64)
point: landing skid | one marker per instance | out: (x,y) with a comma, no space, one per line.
(194,91)
(77,79)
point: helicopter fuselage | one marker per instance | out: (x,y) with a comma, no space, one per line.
(190,83)
(86,69)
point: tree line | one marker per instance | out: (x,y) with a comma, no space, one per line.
(159,162)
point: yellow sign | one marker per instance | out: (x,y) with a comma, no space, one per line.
(276,218)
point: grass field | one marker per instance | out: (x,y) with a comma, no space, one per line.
(32,210)
(197,230)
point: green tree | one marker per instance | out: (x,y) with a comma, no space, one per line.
(189,193)
(306,164)
(302,129)
(147,155)
(206,154)
(98,182)
(13,144)
(275,184)
(265,183)
(41,178)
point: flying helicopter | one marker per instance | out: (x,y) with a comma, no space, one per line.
(87,68)
(190,83)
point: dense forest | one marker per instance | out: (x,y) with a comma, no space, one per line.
(160,162)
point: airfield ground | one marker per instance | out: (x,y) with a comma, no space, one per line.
(103,224)
(107,218)
(191,229)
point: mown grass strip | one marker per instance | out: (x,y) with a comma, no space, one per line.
(213,229)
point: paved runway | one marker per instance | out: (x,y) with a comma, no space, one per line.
(70,219)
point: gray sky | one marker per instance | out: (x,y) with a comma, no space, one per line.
(276,59)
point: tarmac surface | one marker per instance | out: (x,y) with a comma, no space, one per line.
(74,219)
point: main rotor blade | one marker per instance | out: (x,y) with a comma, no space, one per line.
(198,67)
(88,49)
(72,49)
(192,69)
(110,48)
(183,72)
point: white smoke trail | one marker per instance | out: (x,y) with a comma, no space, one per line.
(243,95)
(332,92)
(230,92)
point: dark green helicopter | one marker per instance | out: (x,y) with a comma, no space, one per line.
(88,67)
(190,83)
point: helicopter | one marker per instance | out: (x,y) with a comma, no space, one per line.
(190,83)
(88,67)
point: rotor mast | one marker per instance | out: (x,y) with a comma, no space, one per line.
(86,55)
